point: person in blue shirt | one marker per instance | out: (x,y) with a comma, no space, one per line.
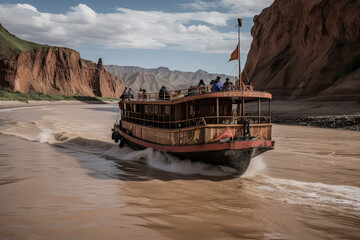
(131,93)
(216,87)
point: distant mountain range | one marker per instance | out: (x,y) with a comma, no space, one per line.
(153,79)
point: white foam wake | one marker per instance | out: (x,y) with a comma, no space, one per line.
(341,197)
(168,163)
(257,165)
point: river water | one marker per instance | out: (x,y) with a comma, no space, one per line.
(62,177)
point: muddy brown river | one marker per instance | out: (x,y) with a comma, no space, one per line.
(62,177)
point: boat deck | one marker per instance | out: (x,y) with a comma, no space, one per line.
(194,93)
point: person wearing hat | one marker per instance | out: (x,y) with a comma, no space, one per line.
(217,85)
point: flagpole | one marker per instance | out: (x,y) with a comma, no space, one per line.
(239,26)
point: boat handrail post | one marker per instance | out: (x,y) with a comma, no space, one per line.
(243,107)
(217,110)
(187,112)
(259,108)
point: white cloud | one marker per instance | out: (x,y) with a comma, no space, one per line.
(200,5)
(125,28)
(242,8)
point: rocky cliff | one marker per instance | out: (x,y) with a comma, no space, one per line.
(153,79)
(306,48)
(30,67)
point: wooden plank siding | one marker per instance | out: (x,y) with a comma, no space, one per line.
(193,135)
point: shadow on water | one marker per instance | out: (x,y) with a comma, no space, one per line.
(104,166)
(115,109)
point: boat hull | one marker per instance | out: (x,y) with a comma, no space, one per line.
(234,154)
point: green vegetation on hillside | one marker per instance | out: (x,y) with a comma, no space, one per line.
(25,97)
(10,44)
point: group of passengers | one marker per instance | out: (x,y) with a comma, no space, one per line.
(217,86)
(129,93)
(142,94)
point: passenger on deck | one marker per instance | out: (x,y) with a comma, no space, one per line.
(140,94)
(131,93)
(163,93)
(232,87)
(201,86)
(227,85)
(124,94)
(144,94)
(217,85)
(249,87)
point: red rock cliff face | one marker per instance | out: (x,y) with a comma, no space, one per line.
(298,47)
(57,70)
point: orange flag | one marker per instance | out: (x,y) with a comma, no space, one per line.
(235,54)
(225,134)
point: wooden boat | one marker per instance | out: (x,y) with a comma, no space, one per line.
(197,124)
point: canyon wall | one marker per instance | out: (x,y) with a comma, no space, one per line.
(304,49)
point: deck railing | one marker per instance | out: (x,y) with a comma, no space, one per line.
(162,122)
(176,94)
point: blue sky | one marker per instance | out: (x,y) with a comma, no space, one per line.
(184,35)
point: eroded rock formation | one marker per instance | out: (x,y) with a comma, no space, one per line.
(56,70)
(300,48)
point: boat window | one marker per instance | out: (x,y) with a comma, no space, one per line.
(160,109)
(156,109)
(212,110)
(223,110)
(146,109)
(167,109)
(151,108)
(191,110)
(134,107)
(234,109)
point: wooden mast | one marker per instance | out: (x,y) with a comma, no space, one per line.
(239,26)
